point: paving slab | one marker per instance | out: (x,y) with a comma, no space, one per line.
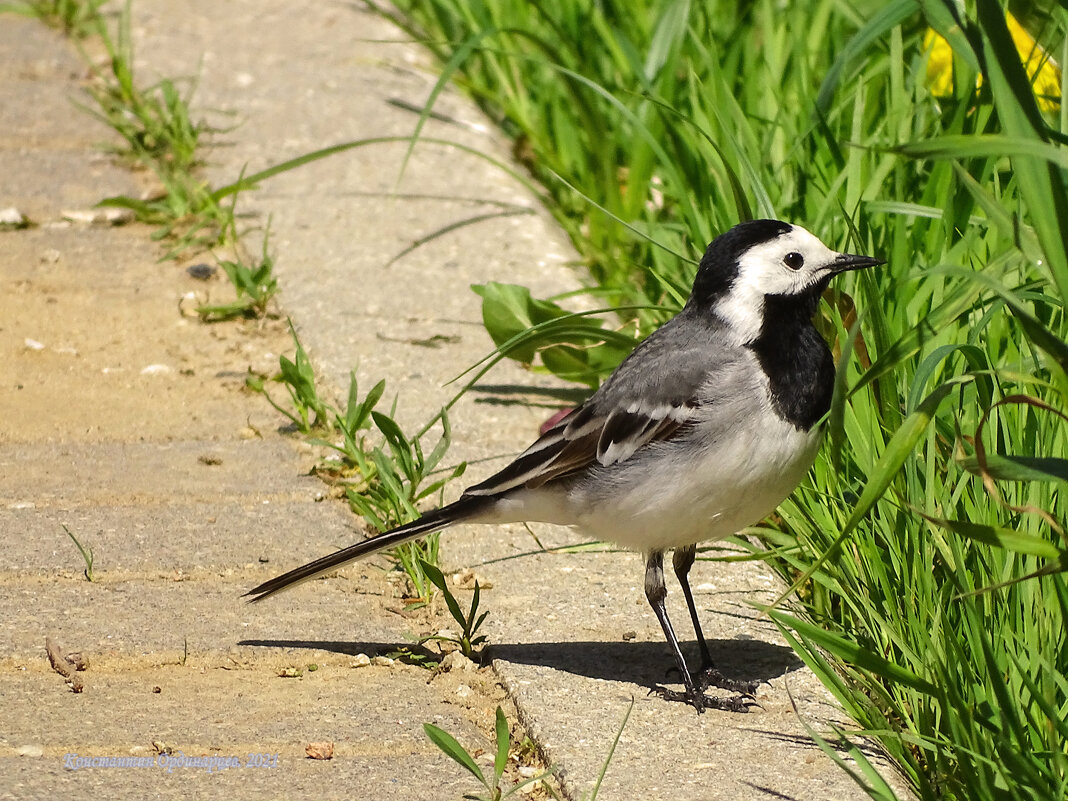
(129,538)
(202,610)
(90,331)
(161,471)
(232,715)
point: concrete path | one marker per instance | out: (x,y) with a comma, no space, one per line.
(126,422)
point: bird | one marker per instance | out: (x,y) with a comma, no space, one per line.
(702,430)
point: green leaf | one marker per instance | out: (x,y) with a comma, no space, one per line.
(853,654)
(1019,468)
(503,741)
(1044,339)
(406,453)
(957,301)
(898,449)
(611,752)
(442,445)
(251,181)
(1041,183)
(574,346)
(1040,335)
(999,537)
(508,310)
(452,749)
(670,30)
(455,60)
(438,580)
(966,146)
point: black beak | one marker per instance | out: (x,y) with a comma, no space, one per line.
(849,261)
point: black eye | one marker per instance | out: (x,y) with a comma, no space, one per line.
(795,261)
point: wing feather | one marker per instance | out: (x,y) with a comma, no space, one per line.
(585,437)
(647,399)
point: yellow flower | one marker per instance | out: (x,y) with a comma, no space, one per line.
(1043,71)
(939,64)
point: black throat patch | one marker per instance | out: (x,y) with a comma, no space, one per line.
(795,358)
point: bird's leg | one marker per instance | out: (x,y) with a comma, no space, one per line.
(682,561)
(656,592)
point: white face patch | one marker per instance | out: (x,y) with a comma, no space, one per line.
(763,270)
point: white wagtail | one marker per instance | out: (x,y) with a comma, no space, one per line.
(702,430)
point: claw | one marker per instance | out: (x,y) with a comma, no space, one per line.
(710,677)
(700,701)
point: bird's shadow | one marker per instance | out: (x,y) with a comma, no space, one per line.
(647,663)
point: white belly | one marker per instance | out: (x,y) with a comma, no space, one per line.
(679,493)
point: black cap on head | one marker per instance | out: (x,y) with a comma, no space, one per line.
(719,267)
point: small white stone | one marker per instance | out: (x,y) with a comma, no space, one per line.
(33,344)
(382,661)
(156,369)
(113,216)
(457,661)
(32,750)
(106,216)
(360,660)
(11,216)
(86,216)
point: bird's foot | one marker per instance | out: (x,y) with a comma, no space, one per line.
(700,701)
(710,677)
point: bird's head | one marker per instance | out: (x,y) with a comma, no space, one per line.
(763,259)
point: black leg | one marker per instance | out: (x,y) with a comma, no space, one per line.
(656,592)
(682,561)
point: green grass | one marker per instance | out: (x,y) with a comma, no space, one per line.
(469,641)
(76,18)
(927,548)
(85,551)
(160,134)
(386,473)
(503,753)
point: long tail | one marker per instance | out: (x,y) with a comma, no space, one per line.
(436,520)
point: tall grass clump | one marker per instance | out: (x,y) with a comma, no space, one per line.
(926,551)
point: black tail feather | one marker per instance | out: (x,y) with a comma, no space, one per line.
(430,522)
